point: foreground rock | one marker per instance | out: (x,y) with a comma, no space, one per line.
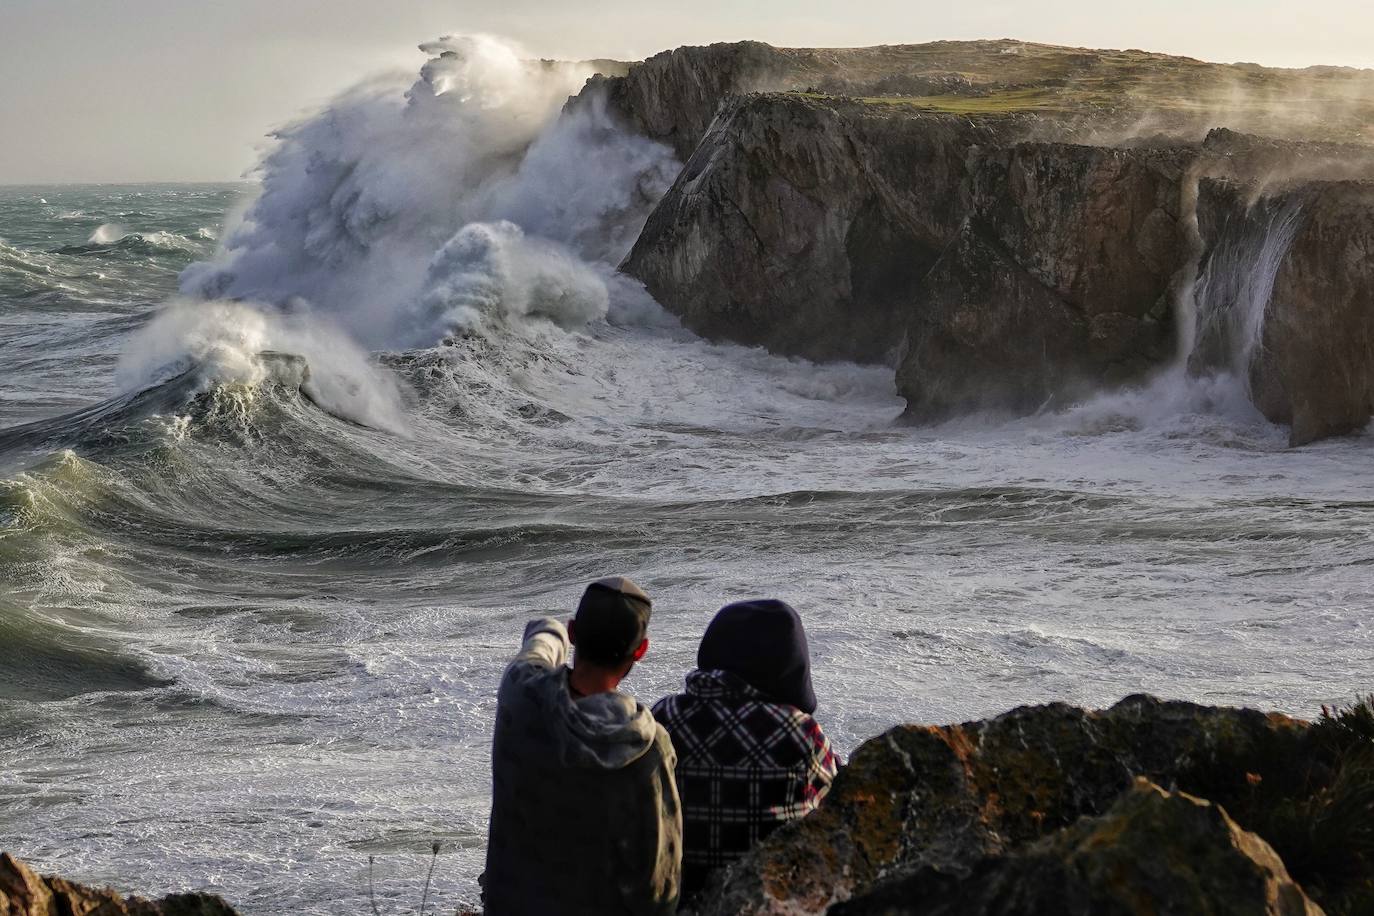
(941,804)
(1152,852)
(23,893)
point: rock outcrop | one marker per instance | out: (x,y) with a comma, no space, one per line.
(1061,279)
(672,97)
(949,798)
(24,893)
(806,226)
(1152,852)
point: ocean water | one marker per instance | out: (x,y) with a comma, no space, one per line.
(286,465)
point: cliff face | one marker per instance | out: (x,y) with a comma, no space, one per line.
(672,97)
(796,224)
(918,205)
(1060,280)
(1289,292)
(1047,810)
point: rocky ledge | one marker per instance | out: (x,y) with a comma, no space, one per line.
(24,893)
(1147,807)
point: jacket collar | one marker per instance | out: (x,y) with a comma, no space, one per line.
(722,685)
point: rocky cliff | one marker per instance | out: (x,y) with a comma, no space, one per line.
(24,893)
(1054,809)
(1060,280)
(957,226)
(1288,295)
(797,225)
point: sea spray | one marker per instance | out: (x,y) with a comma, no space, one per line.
(365,207)
(1232,293)
(493,271)
(229,343)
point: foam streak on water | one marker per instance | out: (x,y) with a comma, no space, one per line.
(261,561)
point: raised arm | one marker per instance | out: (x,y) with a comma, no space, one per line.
(545,646)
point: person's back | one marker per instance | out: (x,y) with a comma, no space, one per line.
(584,816)
(750,756)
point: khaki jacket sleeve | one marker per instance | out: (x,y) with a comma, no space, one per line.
(661,830)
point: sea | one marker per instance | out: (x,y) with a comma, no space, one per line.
(286,464)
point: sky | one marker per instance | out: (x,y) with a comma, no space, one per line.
(186,90)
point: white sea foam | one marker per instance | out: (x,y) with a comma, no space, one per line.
(107,234)
(431,203)
(226,343)
(493,271)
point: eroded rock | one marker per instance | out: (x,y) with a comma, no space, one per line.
(1061,280)
(947,798)
(25,893)
(806,225)
(1289,299)
(1152,852)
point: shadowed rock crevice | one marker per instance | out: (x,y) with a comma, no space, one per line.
(1151,852)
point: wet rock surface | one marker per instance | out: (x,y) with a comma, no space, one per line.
(1306,299)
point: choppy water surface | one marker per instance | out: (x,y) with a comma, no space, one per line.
(252,614)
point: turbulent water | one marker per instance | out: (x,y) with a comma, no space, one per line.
(285,466)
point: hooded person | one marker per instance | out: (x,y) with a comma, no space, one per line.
(584,812)
(749,755)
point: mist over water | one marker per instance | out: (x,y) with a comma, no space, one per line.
(285,467)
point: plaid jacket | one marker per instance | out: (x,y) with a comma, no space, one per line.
(745,765)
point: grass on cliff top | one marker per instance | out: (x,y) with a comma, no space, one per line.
(1005,77)
(1012,101)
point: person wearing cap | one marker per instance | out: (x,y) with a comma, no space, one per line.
(584,813)
(750,757)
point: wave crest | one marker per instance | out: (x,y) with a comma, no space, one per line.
(408,213)
(237,344)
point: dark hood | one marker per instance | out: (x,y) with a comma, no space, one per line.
(763,643)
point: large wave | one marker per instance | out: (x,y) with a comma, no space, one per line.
(466,199)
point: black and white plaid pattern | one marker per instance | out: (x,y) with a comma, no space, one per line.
(745,765)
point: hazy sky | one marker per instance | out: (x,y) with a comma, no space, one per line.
(137,90)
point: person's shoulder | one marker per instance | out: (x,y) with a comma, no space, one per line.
(529,684)
(672,707)
(787,724)
(663,742)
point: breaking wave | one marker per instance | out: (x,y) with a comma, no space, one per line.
(113,238)
(406,214)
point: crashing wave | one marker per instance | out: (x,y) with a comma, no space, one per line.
(224,344)
(408,213)
(113,238)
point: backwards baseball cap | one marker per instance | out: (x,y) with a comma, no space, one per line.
(612,620)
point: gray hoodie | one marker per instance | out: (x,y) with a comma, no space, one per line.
(584,809)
